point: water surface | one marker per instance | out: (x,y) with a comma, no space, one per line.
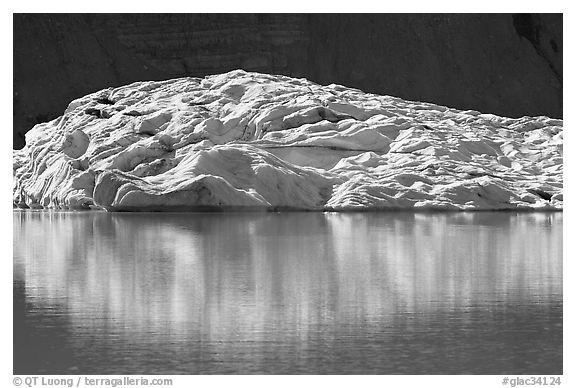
(287,293)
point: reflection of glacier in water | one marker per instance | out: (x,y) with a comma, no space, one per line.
(288,293)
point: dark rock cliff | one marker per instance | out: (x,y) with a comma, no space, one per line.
(505,64)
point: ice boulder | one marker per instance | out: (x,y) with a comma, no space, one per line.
(244,140)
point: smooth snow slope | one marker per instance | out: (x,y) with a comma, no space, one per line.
(253,140)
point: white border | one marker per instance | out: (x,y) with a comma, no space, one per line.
(300,6)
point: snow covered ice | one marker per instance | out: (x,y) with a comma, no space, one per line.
(255,141)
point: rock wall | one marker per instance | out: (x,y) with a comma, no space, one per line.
(58,58)
(505,64)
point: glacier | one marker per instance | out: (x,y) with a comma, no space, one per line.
(243,140)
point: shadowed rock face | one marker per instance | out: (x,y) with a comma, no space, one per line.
(504,64)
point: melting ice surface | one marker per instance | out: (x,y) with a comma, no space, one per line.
(254,140)
(387,293)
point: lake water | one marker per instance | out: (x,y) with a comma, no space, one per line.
(287,293)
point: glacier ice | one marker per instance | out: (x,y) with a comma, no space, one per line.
(244,140)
